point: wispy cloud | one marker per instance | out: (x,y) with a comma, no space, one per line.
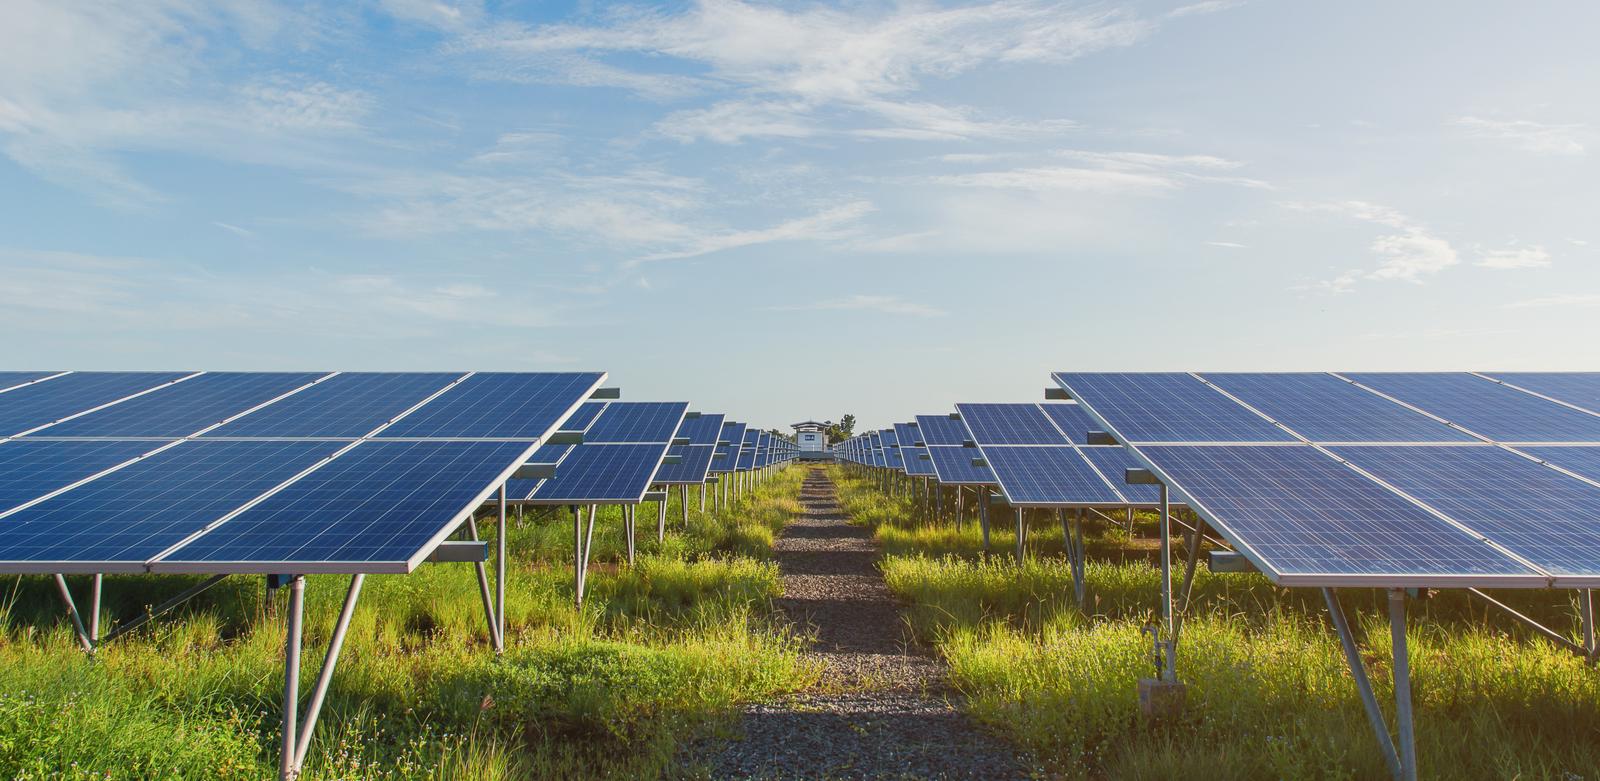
(1228,244)
(1515,257)
(234,229)
(838,222)
(1413,255)
(1204,7)
(1527,135)
(1557,301)
(889,305)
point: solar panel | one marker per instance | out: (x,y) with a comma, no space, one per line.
(953,466)
(1009,424)
(1486,407)
(1168,407)
(1580,389)
(1578,460)
(603,474)
(498,406)
(1039,476)
(30,468)
(378,508)
(1114,461)
(346,405)
(37,405)
(1548,518)
(916,464)
(121,520)
(637,421)
(703,430)
(733,433)
(746,460)
(583,417)
(1306,519)
(694,462)
(907,434)
(941,430)
(1324,408)
(186,407)
(1072,421)
(10,380)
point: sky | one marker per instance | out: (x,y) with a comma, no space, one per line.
(793,211)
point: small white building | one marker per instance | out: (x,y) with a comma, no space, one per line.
(812,436)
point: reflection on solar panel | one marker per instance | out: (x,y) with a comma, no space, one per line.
(941,430)
(377,508)
(603,474)
(29,469)
(1042,476)
(1306,519)
(1548,518)
(1324,408)
(44,403)
(186,407)
(1486,407)
(346,405)
(1169,407)
(702,430)
(637,421)
(1009,424)
(694,462)
(1072,420)
(1580,389)
(120,521)
(953,466)
(498,406)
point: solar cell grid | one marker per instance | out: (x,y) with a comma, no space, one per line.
(584,416)
(603,474)
(907,434)
(10,380)
(119,521)
(38,405)
(1486,407)
(916,465)
(1308,520)
(1072,420)
(703,430)
(1009,424)
(183,408)
(1048,476)
(1324,408)
(1583,461)
(376,508)
(694,462)
(941,430)
(346,405)
(953,466)
(1167,407)
(498,406)
(30,469)
(1549,518)
(1581,389)
(637,421)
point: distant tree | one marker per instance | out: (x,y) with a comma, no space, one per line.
(842,430)
(780,435)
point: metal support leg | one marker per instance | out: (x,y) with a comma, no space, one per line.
(72,613)
(1402,685)
(324,678)
(983,515)
(1586,618)
(1080,577)
(577,553)
(1168,670)
(291,678)
(961,517)
(1193,542)
(683,497)
(1358,670)
(938,505)
(1022,534)
(702,497)
(499,574)
(483,590)
(182,597)
(627,529)
(661,521)
(1074,552)
(94,608)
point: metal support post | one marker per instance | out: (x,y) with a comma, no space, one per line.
(94,608)
(1586,618)
(938,505)
(702,497)
(683,497)
(291,678)
(1074,546)
(483,590)
(627,529)
(186,595)
(320,692)
(499,575)
(1402,685)
(72,612)
(1168,670)
(1193,542)
(961,517)
(661,520)
(983,514)
(1358,670)
(1022,534)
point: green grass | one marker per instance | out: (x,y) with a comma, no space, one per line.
(1270,695)
(661,651)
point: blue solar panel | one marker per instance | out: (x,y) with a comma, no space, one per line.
(1114,461)
(1311,520)
(520,489)
(120,521)
(1048,476)
(184,408)
(1578,460)
(1072,421)
(637,421)
(583,417)
(746,460)
(691,469)
(30,469)
(498,406)
(702,430)
(1580,389)
(13,379)
(376,508)
(1324,408)
(888,437)
(732,433)
(46,402)
(953,465)
(907,434)
(596,474)
(1546,517)
(916,465)
(941,430)
(1489,408)
(346,405)
(1009,424)
(1167,407)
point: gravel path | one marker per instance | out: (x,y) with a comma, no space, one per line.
(881,709)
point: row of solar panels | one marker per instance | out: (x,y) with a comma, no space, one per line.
(230,472)
(1404,479)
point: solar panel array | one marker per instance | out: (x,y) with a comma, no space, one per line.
(623,445)
(246,472)
(1391,479)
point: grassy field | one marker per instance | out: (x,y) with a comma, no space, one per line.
(661,650)
(1270,695)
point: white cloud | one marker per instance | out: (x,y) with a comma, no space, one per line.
(1412,255)
(889,305)
(1528,136)
(1515,257)
(234,229)
(1105,172)
(1228,244)
(1557,301)
(838,222)
(1204,7)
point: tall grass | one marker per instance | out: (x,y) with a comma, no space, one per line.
(660,649)
(1269,692)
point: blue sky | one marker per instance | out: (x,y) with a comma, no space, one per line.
(794,211)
